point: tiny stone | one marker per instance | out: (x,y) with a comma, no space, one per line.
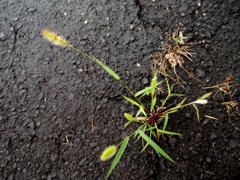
(145,81)
(172,141)
(208,160)
(54,157)
(233,143)
(31,10)
(40,97)
(83,43)
(213,136)
(1,36)
(93,144)
(200,73)
(82,161)
(74,174)
(132,26)
(71,96)
(188,115)
(186,157)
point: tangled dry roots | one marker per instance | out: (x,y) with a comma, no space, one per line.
(173,53)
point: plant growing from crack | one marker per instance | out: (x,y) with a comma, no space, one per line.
(152,122)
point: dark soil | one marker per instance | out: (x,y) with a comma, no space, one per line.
(48,95)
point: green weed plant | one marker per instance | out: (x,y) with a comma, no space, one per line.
(149,120)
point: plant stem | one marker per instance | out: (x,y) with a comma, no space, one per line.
(134,95)
(117,79)
(130,135)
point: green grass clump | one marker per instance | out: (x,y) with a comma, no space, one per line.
(149,120)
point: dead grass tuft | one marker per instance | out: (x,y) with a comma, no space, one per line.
(173,54)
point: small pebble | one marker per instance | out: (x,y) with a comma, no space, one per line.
(213,136)
(200,73)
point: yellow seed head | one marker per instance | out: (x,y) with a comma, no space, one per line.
(54,38)
(109,152)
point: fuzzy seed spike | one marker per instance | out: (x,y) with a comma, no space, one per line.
(54,38)
(109,152)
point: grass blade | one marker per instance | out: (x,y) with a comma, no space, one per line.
(179,104)
(131,101)
(179,95)
(169,89)
(128,116)
(155,146)
(169,132)
(197,112)
(144,147)
(153,103)
(165,122)
(204,96)
(147,89)
(118,156)
(127,123)
(110,71)
(142,110)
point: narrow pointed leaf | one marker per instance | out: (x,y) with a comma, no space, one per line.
(131,101)
(128,116)
(142,110)
(155,146)
(127,123)
(169,132)
(179,95)
(165,122)
(110,71)
(153,103)
(173,111)
(118,156)
(147,89)
(197,112)
(154,80)
(179,104)
(144,147)
(138,113)
(151,130)
(204,96)
(169,89)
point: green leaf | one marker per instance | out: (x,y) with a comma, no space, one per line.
(169,89)
(173,111)
(128,116)
(169,132)
(110,71)
(197,112)
(127,123)
(144,147)
(137,132)
(147,89)
(165,122)
(153,102)
(155,146)
(179,41)
(142,110)
(138,113)
(151,130)
(179,104)
(204,96)
(154,80)
(118,156)
(179,95)
(131,101)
